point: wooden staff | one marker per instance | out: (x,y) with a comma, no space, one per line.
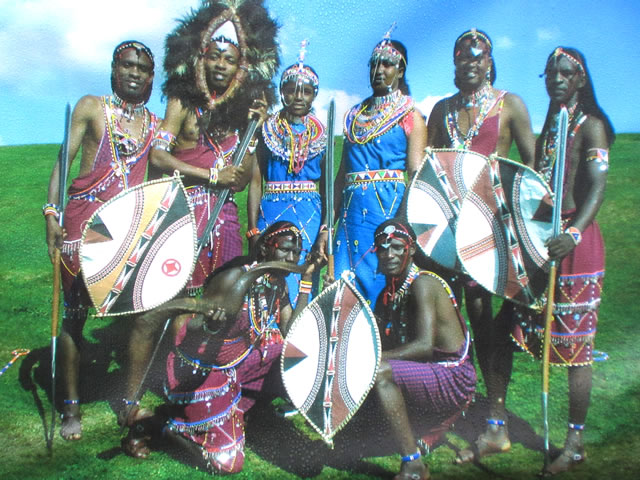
(63,163)
(563,125)
(328,185)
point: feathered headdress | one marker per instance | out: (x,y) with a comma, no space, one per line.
(245,23)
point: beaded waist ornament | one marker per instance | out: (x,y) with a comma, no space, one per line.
(290,187)
(375,176)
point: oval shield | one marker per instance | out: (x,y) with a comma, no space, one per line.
(504,221)
(330,358)
(434,199)
(138,249)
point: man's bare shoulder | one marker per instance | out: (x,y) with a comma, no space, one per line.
(513,102)
(593,129)
(427,285)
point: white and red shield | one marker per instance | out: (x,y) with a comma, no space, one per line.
(503,223)
(435,197)
(330,358)
(138,249)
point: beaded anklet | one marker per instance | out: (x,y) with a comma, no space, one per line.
(72,402)
(412,457)
(131,402)
(496,421)
(576,426)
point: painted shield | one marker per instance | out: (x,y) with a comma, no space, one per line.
(138,249)
(503,224)
(435,197)
(331,357)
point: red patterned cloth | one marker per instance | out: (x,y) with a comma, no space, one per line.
(88,192)
(577,300)
(211,402)
(225,241)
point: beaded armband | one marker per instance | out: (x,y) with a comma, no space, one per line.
(305,287)
(51,209)
(576,236)
(253,232)
(213,175)
(164,141)
(600,156)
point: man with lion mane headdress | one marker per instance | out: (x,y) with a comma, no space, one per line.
(219,63)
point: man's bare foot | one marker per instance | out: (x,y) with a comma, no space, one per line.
(494,440)
(71,425)
(140,423)
(413,470)
(573,454)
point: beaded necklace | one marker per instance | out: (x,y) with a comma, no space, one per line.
(125,148)
(222,156)
(550,140)
(376,116)
(485,99)
(294,147)
(397,327)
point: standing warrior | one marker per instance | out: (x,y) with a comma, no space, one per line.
(580,249)
(385,137)
(115,133)
(426,375)
(485,120)
(219,63)
(290,159)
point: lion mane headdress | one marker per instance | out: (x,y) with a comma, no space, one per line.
(255,33)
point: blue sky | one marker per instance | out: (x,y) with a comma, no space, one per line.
(55,51)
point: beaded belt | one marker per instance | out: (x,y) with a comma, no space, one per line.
(287,187)
(375,176)
(199,194)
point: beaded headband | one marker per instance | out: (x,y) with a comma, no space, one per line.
(475,36)
(561,52)
(386,51)
(290,228)
(394,231)
(299,72)
(137,46)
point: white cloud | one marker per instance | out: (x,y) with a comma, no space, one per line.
(426,104)
(504,42)
(546,34)
(344,101)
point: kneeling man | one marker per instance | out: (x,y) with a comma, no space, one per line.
(426,373)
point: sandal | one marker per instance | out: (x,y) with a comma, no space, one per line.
(70,423)
(483,446)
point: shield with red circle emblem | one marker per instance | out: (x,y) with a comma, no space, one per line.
(138,250)
(330,358)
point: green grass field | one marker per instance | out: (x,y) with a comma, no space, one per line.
(279,448)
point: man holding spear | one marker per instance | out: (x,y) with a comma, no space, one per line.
(579,250)
(115,133)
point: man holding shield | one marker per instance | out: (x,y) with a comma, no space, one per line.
(219,63)
(485,120)
(115,134)
(426,376)
(580,249)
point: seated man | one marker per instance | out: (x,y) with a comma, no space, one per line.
(224,350)
(426,374)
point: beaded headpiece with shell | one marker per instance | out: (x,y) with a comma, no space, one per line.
(243,23)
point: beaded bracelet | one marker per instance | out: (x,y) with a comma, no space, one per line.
(576,236)
(323,228)
(213,176)
(253,232)
(51,209)
(251,148)
(412,457)
(305,287)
